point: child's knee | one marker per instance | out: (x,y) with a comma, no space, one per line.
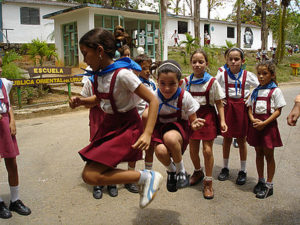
(207,152)
(91,178)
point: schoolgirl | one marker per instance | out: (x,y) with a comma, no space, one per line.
(208,93)
(121,137)
(171,135)
(265,107)
(236,84)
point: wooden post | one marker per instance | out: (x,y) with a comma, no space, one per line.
(19,97)
(69,90)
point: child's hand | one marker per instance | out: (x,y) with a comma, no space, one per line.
(74,102)
(12,127)
(143,143)
(223,127)
(258,124)
(294,115)
(197,124)
(0,117)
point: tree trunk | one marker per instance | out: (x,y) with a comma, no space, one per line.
(177,7)
(264,31)
(197,20)
(283,33)
(238,24)
(190,5)
(162,27)
(208,9)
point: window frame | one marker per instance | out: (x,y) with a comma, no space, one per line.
(229,32)
(179,30)
(30,18)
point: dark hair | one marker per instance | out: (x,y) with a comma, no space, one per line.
(200,51)
(237,49)
(226,52)
(99,36)
(123,49)
(270,66)
(122,38)
(170,66)
(141,58)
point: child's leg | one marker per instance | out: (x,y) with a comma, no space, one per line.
(242,176)
(198,174)
(162,154)
(173,141)
(260,162)
(224,174)
(208,157)
(269,154)
(12,170)
(149,158)
(131,187)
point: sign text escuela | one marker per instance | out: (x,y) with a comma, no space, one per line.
(48,80)
(49,70)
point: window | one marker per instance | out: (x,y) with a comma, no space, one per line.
(182,27)
(230,32)
(30,16)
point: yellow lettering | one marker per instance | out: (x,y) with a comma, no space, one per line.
(61,71)
(35,70)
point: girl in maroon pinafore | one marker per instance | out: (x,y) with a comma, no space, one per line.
(121,137)
(9,150)
(265,107)
(208,93)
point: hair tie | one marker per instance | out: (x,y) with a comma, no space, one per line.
(169,63)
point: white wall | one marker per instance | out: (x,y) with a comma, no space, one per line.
(25,33)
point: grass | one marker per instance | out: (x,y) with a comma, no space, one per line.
(216,58)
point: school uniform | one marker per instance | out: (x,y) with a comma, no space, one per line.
(267,101)
(236,91)
(121,126)
(175,115)
(8,143)
(205,94)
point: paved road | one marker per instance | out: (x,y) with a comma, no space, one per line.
(51,185)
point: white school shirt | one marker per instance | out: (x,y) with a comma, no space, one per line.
(87,90)
(189,106)
(251,80)
(123,93)
(142,103)
(277,101)
(215,92)
(8,85)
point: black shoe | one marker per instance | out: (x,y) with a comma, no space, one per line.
(224,174)
(171,182)
(19,208)
(183,180)
(112,190)
(133,188)
(265,192)
(258,187)
(4,212)
(241,179)
(97,192)
(235,144)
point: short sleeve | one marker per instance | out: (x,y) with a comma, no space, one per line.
(252,79)
(86,90)
(128,80)
(278,97)
(190,104)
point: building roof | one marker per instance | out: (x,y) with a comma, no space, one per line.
(42,2)
(87,5)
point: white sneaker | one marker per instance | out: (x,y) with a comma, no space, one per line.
(150,188)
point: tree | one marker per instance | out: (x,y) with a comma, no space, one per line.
(197,4)
(238,23)
(190,44)
(190,5)
(264,31)
(212,4)
(163,11)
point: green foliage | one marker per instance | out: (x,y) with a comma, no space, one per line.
(39,51)
(190,45)
(9,69)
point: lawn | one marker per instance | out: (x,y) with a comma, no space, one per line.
(216,60)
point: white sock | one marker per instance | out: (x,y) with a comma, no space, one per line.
(14,193)
(171,167)
(131,168)
(243,166)
(180,167)
(148,165)
(269,184)
(225,163)
(198,170)
(144,175)
(208,178)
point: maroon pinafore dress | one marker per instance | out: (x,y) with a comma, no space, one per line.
(212,126)
(236,114)
(269,137)
(95,118)
(180,125)
(8,143)
(119,131)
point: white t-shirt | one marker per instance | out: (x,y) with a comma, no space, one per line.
(277,101)
(8,85)
(87,90)
(251,80)
(215,92)
(142,103)
(126,83)
(189,106)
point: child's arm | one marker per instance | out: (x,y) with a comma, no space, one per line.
(260,125)
(78,101)
(220,109)
(295,113)
(196,123)
(12,123)
(144,140)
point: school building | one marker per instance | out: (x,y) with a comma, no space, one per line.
(26,20)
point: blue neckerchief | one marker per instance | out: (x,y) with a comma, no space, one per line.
(1,83)
(120,63)
(202,80)
(165,101)
(92,78)
(254,94)
(236,80)
(150,83)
